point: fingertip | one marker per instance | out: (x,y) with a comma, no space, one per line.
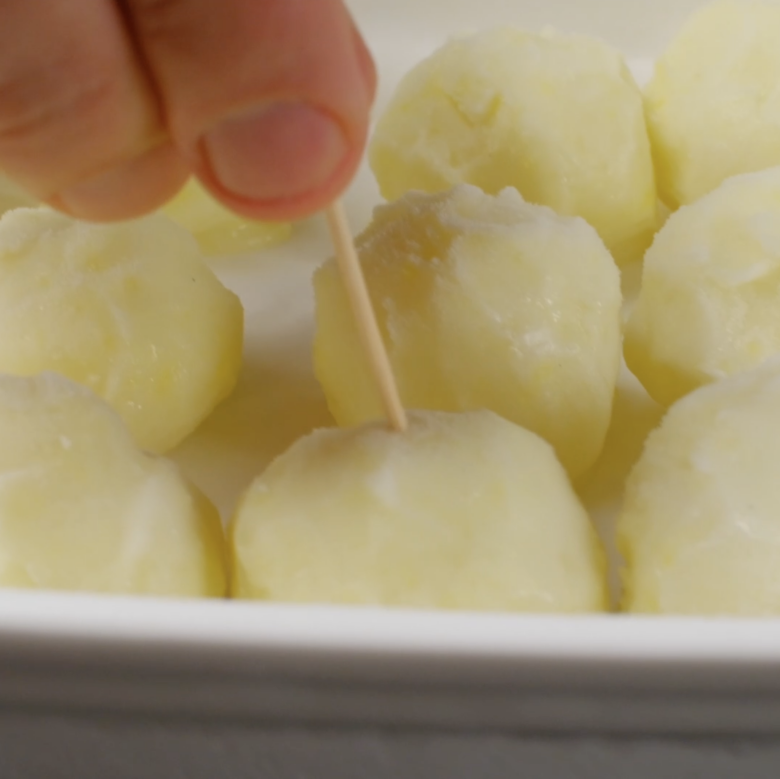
(276,151)
(366,63)
(281,204)
(128,191)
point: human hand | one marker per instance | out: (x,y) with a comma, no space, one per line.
(107,106)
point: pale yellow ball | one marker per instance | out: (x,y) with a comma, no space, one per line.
(700,526)
(82,508)
(558,117)
(462,511)
(709,305)
(218,230)
(130,310)
(713,105)
(484,302)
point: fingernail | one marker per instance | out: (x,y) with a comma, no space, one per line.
(279,152)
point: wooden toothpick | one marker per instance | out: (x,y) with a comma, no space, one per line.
(365,318)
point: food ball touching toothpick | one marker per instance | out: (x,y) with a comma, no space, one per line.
(709,304)
(558,117)
(461,511)
(82,508)
(218,230)
(129,310)
(483,302)
(700,525)
(713,105)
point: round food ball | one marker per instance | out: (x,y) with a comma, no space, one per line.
(700,525)
(218,230)
(558,117)
(462,511)
(709,305)
(129,310)
(713,105)
(484,302)
(82,508)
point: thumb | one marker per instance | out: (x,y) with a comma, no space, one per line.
(269,100)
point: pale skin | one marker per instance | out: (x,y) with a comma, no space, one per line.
(107,106)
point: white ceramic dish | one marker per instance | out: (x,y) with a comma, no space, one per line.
(93,686)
